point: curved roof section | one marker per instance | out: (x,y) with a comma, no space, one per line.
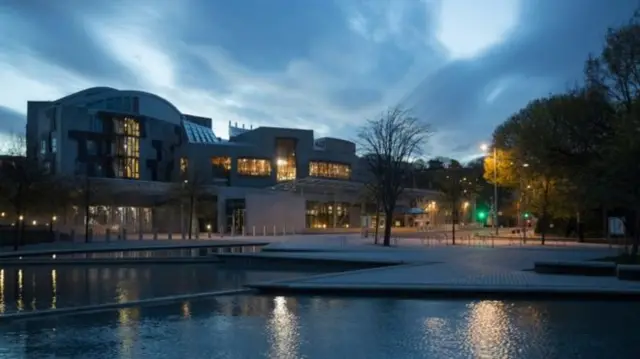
(96,93)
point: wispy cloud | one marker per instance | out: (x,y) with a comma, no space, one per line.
(326,65)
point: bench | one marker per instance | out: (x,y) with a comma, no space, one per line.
(629,272)
(576,268)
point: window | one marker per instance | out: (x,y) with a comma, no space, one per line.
(127,148)
(96,124)
(92,148)
(254,167)
(329,170)
(285,159)
(54,145)
(43,147)
(221,166)
(184,166)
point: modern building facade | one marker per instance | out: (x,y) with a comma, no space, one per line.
(151,167)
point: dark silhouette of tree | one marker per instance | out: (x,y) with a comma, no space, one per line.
(391,142)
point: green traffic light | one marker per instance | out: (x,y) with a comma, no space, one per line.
(482,215)
(526,215)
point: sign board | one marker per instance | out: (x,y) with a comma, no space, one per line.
(616,226)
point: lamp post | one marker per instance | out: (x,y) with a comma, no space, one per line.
(484,148)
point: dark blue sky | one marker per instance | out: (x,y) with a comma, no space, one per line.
(461,65)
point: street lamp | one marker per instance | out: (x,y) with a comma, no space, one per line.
(485,148)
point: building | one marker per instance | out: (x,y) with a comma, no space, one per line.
(138,153)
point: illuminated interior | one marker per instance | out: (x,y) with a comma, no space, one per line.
(254,167)
(127,148)
(329,170)
(285,159)
(221,166)
(327,215)
(184,166)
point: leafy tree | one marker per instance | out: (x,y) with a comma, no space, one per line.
(391,142)
(616,74)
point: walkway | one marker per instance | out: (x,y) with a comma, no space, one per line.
(454,271)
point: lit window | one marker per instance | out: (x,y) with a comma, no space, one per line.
(184,166)
(221,166)
(285,169)
(254,167)
(329,170)
(54,145)
(127,147)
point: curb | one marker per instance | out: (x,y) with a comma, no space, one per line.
(7,318)
(108,261)
(28,253)
(448,292)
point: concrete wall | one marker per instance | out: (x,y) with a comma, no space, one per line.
(285,211)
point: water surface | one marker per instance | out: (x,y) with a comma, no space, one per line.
(311,327)
(39,287)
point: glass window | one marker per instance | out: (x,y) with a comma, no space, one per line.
(221,166)
(329,170)
(184,166)
(254,167)
(92,148)
(127,147)
(43,147)
(54,145)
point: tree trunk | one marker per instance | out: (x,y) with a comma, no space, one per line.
(543,226)
(18,232)
(87,215)
(454,215)
(388,218)
(375,240)
(579,228)
(191,200)
(636,234)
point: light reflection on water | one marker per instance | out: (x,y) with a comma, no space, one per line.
(283,329)
(305,327)
(40,287)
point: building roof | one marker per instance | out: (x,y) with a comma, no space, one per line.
(199,134)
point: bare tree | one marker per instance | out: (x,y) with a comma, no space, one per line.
(390,143)
(193,186)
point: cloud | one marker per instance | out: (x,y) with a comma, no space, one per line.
(320,64)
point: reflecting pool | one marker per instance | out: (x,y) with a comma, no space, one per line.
(40,287)
(313,327)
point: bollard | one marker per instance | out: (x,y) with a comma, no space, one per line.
(124,234)
(264,230)
(233,231)
(107,235)
(197,235)
(155,234)
(284,229)
(293,230)
(209,234)
(72,235)
(243,230)
(254,230)
(169,236)
(183,235)
(274,230)
(493,241)
(140,236)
